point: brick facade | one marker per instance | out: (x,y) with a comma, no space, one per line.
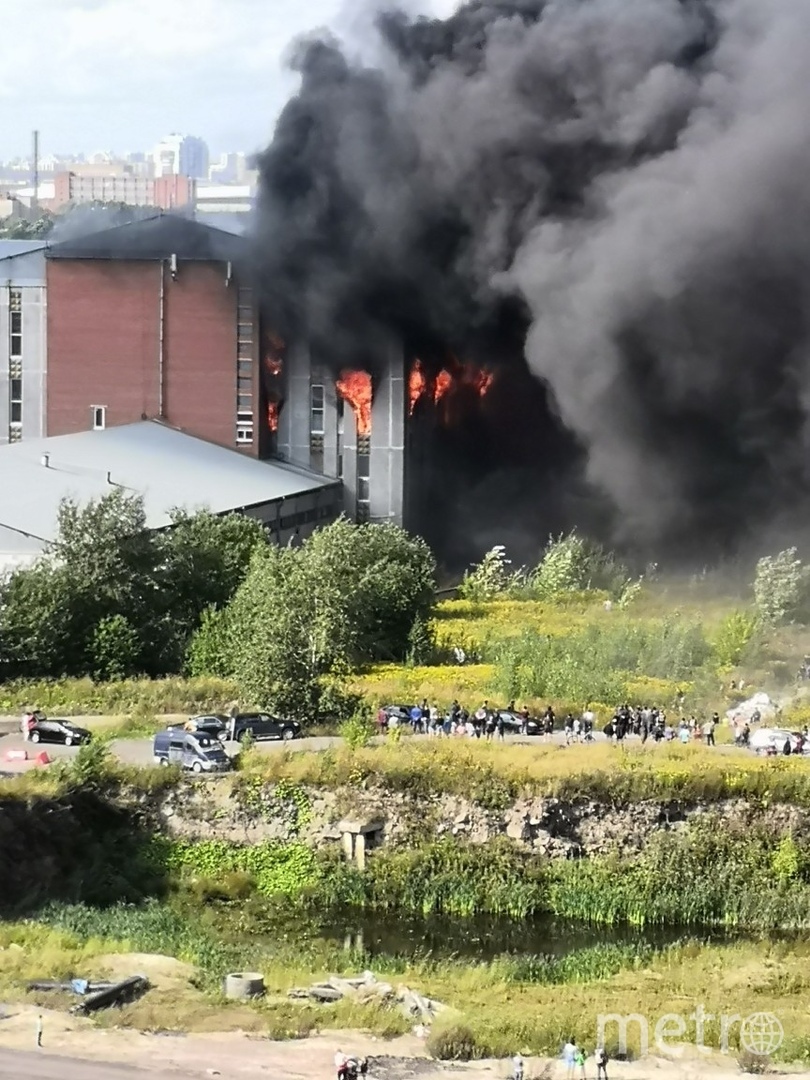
(103,342)
(200,351)
(104,346)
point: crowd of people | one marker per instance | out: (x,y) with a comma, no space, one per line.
(652,723)
(493,723)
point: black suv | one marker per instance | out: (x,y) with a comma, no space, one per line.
(264,726)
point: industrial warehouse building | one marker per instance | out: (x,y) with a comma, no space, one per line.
(169,469)
(156,321)
(23,355)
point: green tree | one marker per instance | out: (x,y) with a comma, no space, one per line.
(112,561)
(489,579)
(34,633)
(115,648)
(304,616)
(204,560)
(22,229)
(780,586)
(113,597)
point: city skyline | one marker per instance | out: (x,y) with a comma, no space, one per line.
(94,75)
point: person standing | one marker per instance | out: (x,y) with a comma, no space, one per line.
(601,1063)
(569,1055)
(341,1063)
(579,1061)
(39,1030)
(517,1067)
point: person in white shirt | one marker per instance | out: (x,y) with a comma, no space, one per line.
(517,1067)
(341,1061)
(569,1057)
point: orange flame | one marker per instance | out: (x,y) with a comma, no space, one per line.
(444,380)
(479,379)
(272,415)
(355,387)
(448,380)
(417,384)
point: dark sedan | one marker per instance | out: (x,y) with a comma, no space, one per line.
(211,724)
(58,731)
(513,724)
(263,726)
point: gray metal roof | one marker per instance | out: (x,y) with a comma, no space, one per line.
(155,238)
(169,468)
(25,267)
(10,248)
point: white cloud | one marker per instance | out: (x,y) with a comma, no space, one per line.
(121,73)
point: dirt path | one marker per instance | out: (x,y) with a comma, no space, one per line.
(73,1049)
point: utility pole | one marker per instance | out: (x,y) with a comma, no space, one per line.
(35,199)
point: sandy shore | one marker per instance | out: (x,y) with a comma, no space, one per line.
(246,1057)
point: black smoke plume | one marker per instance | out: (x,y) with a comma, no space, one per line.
(613,195)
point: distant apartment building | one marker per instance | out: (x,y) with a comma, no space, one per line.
(124,186)
(230,168)
(181,155)
(224,198)
(23,352)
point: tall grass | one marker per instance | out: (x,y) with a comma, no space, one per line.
(83,697)
(495,775)
(596,663)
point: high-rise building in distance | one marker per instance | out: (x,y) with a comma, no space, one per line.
(181,155)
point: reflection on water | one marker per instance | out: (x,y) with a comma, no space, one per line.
(482,938)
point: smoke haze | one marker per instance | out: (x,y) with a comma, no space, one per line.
(612,193)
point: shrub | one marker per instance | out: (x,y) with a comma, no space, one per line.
(489,579)
(753,1064)
(733,636)
(453,1043)
(779,586)
(356,731)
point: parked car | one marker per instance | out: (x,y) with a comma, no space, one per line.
(263,726)
(211,724)
(513,723)
(192,750)
(400,714)
(772,740)
(58,731)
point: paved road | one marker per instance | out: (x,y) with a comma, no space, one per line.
(139,751)
(15,1064)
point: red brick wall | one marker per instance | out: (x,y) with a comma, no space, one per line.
(200,352)
(170,191)
(102,342)
(103,346)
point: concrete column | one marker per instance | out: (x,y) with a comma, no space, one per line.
(349,461)
(388,417)
(330,425)
(348,845)
(360,851)
(293,425)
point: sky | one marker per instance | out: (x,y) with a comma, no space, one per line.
(119,74)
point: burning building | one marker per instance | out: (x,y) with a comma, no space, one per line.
(375,432)
(596,208)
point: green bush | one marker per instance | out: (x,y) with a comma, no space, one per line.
(780,586)
(733,637)
(456,1042)
(356,731)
